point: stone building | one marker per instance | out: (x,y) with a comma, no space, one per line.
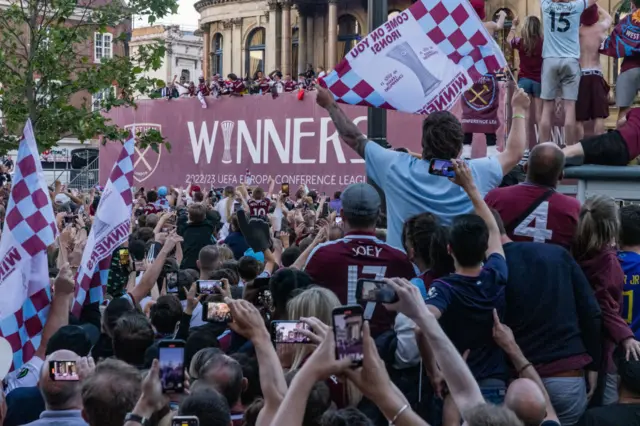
(243,36)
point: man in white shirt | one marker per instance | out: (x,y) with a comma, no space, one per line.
(561,65)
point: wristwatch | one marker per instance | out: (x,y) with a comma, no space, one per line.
(132,417)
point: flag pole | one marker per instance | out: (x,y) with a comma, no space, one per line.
(377,117)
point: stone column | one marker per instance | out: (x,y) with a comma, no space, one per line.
(286,37)
(332,34)
(310,39)
(238,59)
(271,38)
(302,41)
(227,48)
(206,51)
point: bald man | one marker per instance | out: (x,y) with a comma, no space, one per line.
(525,398)
(63,400)
(534,210)
(616,148)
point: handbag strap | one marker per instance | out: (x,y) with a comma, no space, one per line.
(518,220)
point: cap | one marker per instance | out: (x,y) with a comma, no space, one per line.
(590,16)
(72,338)
(194,188)
(62,199)
(258,256)
(162,191)
(361,199)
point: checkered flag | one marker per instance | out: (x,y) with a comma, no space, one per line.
(29,228)
(111,228)
(438,46)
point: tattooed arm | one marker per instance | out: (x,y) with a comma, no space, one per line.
(348,131)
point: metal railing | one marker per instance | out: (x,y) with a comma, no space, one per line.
(87,177)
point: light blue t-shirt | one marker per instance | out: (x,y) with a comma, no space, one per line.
(411,190)
(562,28)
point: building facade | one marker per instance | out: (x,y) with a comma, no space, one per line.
(184,51)
(244,36)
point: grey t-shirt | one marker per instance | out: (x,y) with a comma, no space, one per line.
(562,28)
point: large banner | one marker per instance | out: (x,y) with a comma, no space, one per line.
(293,141)
(29,228)
(420,61)
(111,227)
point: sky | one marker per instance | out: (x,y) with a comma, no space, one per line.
(186,16)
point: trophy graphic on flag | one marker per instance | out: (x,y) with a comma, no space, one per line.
(227,132)
(404,54)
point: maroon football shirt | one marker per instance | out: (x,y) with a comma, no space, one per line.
(259,207)
(338,265)
(554,221)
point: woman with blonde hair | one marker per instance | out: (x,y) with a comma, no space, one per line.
(529,47)
(594,250)
(318,303)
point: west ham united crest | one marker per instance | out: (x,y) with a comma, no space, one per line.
(483,94)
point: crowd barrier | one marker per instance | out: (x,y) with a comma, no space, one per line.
(620,183)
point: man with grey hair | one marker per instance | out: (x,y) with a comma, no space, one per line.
(63,400)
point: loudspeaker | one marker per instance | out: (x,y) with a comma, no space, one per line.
(82,157)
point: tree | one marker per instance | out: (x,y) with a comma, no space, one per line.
(48,72)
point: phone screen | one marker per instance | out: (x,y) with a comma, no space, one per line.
(377,291)
(208,286)
(185,421)
(287,332)
(347,326)
(124,256)
(441,168)
(285,188)
(171,358)
(236,206)
(172,282)
(216,312)
(63,371)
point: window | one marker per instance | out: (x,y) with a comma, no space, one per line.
(255,51)
(185,76)
(216,55)
(102,47)
(348,35)
(99,97)
(295,41)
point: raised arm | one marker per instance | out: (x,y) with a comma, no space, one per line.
(607,20)
(503,336)
(465,180)
(347,130)
(513,30)
(513,152)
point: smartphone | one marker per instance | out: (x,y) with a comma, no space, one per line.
(185,421)
(441,168)
(63,371)
(285,189)
(216,312)
(172,282)
(70,219)
(325,210)
(124,256)
(287,332)
(375,291)
(261,283)
(207,286)
(338,220)
(236,206)
(171,359)
(347,330)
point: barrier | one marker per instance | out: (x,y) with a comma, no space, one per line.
(620,183)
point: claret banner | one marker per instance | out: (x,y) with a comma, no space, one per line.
(293,141)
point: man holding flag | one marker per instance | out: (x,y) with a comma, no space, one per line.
(111,228)
(442,47)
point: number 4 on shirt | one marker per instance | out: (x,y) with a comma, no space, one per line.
(538,218)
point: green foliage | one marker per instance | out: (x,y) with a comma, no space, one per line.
(624,6)
(48,73)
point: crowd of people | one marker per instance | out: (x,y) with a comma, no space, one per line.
(258,84)
(510,304)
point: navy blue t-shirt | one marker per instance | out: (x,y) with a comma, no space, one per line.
(467,305)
